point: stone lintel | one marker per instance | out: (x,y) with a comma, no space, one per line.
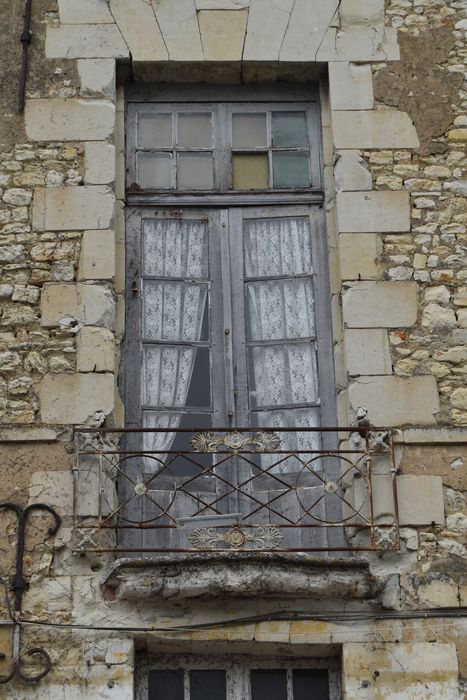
(240,575)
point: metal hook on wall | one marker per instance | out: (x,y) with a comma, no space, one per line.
(19,585)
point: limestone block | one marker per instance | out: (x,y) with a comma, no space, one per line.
(267,23)
(359,44)
(53,594)
(361,12)
(100,163)
(85,41)
(38,209)
(406,671)
(179,27)
(97,75)
(380,304)
(420,500)
(78,208)
(91,11)
(396,401)
(97,259)
(137,22)
(440,593)
(222,34)
(386,128)
(53,487)
(75,398)
(350,86)
(367,351)
(222,4)
(369,212)
(95,350)
(350,172)
(307,27)
(69,119)
(359,253)
(90,305)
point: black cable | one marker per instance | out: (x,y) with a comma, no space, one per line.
(450,613)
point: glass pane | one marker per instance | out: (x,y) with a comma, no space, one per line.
(194,130)
(291,170)
(163,441)
(154,131)
(165,685)
(207,685)
(280,309)
(155,171)
(270,684)
(195,171)
(249,131)
(175,311)
(289,129)
(176,376)
(175,248)
(250,172)
(282,374)
(310,683)
(279,246)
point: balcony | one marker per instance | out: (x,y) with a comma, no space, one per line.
(142,491)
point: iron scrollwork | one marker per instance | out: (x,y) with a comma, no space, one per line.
(235,442)
(19,585)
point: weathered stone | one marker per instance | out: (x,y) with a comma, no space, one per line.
(89,305)
(97,75)
(75,398)
(267,23)
(17,196)
(90,11)
(440,593)
(373,129)
(373,212)
(179,27)
(69,119)
(85,41)
(350,172)
(359,253)
(97,261)
(380,304)
(435,316)
(427,507)
(439,294)
(359,44)
(362,12)
(137,22)
(53,487)
(306,29)
(96,351)
(222,34)
(458,398)
(396,401)
(78,208)
(367,351)
(412,670)
(100,163)
(221,4)
(350,86)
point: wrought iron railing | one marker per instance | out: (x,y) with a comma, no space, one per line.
(268,489)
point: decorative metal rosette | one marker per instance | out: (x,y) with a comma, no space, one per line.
(236,538)
(235,442)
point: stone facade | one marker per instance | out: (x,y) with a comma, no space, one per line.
(394,128)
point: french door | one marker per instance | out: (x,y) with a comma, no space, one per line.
(227,327)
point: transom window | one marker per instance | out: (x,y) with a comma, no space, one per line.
(237,678)
(236,147)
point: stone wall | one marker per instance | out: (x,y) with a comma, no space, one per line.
(394,130)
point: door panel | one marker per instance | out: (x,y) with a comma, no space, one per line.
(224,321)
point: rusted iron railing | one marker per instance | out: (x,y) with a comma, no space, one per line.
(254,489)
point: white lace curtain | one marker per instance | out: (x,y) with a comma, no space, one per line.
(172,311)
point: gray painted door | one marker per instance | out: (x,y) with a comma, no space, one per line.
(227,326)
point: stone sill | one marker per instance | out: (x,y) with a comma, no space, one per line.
(237,574)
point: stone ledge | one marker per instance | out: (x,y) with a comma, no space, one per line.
(237,574)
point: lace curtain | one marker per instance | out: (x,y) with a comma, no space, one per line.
(172,311)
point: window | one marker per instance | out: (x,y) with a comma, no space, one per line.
(237,678)
(228,318)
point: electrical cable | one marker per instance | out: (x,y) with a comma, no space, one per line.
(459,614)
